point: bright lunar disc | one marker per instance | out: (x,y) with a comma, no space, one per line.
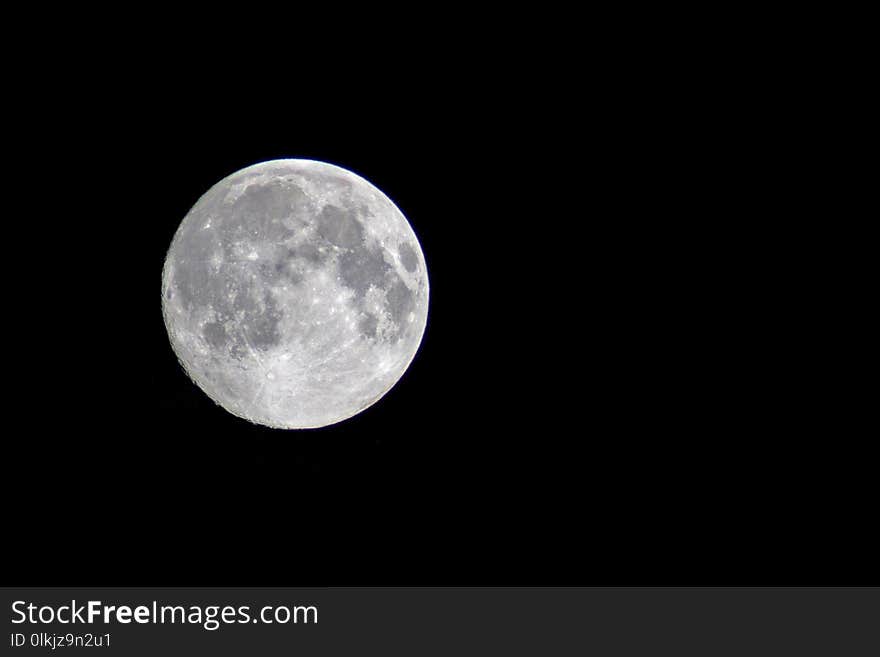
(295,293)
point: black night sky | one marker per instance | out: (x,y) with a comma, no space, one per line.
(608,390)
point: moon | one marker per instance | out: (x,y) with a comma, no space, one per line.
(295,294)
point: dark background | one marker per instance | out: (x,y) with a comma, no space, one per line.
(619,382)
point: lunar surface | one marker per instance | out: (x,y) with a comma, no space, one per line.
(295,294)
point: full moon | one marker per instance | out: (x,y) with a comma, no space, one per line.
(295,294)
